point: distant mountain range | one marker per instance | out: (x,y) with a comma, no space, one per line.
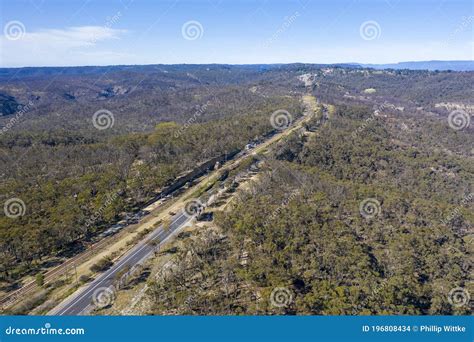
(425,65)
(7,73)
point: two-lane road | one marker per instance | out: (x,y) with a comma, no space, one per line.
(82,303)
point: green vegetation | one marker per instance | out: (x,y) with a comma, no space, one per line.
(102,265)
(301,228)
(74,184)
(39,279)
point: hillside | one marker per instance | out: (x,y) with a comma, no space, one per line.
(85,148)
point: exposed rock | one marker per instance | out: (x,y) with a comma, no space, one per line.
(68,96)
(8,105)
(113,91)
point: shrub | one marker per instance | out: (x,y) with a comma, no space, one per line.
(102,265)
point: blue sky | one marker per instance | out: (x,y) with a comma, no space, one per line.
(94,32)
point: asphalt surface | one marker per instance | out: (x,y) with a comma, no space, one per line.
(83,302)
(86,299)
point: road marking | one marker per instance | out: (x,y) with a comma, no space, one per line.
(157,233)
(116,267)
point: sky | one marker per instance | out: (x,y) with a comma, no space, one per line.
(110,32)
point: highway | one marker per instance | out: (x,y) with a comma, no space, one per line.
(82,302)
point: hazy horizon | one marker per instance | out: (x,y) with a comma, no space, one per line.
(91,33)
(238,64)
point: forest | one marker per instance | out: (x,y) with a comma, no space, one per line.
(334,226)
(368,211)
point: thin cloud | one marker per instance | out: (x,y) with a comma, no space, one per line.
(52,46)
